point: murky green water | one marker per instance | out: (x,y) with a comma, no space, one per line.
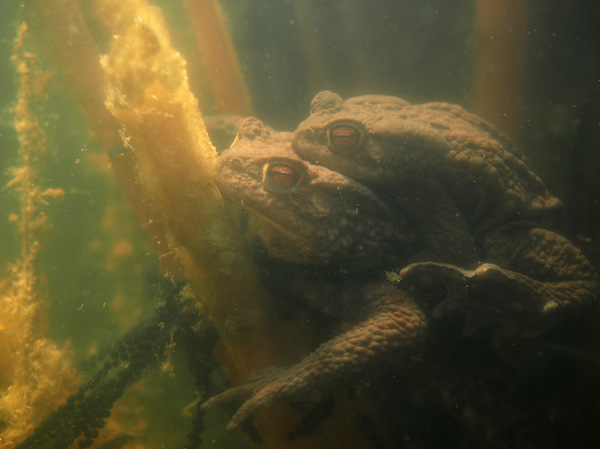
(99,277)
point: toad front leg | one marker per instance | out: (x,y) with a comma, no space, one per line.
(392,324)
(538,280)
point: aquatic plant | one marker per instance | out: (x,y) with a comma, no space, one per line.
(155,137)
(35,374)
(218,56)
(178,321)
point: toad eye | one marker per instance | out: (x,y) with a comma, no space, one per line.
(281,177)
(343,137)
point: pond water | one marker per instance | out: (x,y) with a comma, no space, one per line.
(144,271)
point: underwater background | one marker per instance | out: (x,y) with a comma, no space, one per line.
(97,276)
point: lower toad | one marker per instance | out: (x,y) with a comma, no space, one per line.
(311,215)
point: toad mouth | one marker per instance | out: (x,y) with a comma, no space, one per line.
(274,224)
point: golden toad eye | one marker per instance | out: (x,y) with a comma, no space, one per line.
(343,137)
(281,177)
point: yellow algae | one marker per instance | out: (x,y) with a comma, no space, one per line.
(166,163)
(148,93)
(35,376)
(115,16)
(64,33)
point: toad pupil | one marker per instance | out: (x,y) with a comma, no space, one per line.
(344,137)
(282,175)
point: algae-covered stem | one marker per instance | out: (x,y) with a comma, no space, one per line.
(166,164)
(63,27)
(149,94)
(184,198)
(34,373)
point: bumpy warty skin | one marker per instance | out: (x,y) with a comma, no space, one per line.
(472,198)
(307,214)
(550,282)
(485,229)
(321,217)
(402,145)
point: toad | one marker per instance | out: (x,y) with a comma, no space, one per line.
(401,148)
(487,221)
(309,215)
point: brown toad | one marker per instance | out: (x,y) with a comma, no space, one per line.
(386,142)
(487,221)
(306,214)
(314,215)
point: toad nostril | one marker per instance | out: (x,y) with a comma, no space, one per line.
(236,162)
